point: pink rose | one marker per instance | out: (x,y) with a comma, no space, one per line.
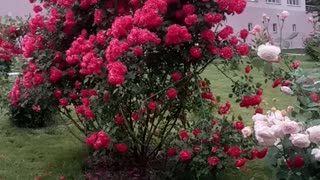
(266,141)
(290,127)
(277,130)
(300,140)
(286,90)
(265,133)
(246,132)
(284,14)
(314,134)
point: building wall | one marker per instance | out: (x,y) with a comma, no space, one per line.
(254,11)
(15,8)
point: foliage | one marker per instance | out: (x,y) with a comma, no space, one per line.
(127,74)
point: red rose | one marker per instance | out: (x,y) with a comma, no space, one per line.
(259,111)
(196,149)
(176,76)
(244,34)
(213,161)
(226,53)
(171,93)
(135,116)
(247,70)
(36,108)
(195,52)
(295,65)
(57,93)
(254,154)
(98,140)
(276,83)
(191,20)
(208,35)
(297,162)
(138,51)
(234,151)
(240,162)
(314,97)
(259,92)
(261,154)
(55,74)
(172,152)
(233,41)
(152,105)
(214,149)
(188,9)
(119,120)
(243,50)
(238,125)
(121,148)
(215,138)
(185,155)
(196,132)
(184,135)
(63,102)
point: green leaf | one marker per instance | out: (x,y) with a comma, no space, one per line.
(257,62)
(268,68)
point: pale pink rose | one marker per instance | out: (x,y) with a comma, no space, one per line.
(310,19)
(257,28)
(265,133)
(266,141)
(314,134)
(290,127)
(284,14)
(259,117)
(316,153)
(275,117)
(246,132)
(286,90)
(300,140)
(277,130)
(269,52)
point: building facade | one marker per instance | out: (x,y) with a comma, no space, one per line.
(296,26)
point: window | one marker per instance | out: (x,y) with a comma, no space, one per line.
(294,27)
(250,27)
(293,2)
(275,28)
(274,1)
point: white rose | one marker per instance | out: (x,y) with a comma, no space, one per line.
(290,127)
(286,90)
(314,134)
(246,132)
(269,52)
(300,140)
(316,153)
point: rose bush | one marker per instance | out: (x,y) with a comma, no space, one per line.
(127,73)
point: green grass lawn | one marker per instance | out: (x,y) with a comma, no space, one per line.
(53,152)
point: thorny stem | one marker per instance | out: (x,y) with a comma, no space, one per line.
(74,122)
(65,123)
(224,73)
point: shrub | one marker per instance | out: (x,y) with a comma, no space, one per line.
(130,70)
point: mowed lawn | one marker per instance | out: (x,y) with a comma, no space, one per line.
(53,152)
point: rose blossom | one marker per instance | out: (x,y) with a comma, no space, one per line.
(314,134)
(290,127)
(269,52)
(284,14)
(185,155)
(300,140)
(316,153)
(286,90)
(246,132)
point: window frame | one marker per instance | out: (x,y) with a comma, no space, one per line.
(275,2)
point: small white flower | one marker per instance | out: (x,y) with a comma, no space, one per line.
(246,132)
(286,90)
(316,153)
(269,52)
